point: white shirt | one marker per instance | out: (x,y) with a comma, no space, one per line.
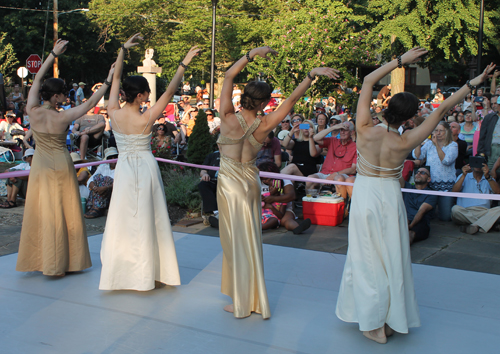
(7,128)
(21,167)
(103,170)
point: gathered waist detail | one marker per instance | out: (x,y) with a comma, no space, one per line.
(237,163)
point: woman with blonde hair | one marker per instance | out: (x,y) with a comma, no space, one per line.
(440,153)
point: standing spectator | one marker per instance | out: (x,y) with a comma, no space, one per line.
(186,89)
(100,185)
(489,135)
(438,97)
(478,100)
(475,214)
(419,206)
(16,97)
(461,118)
(100,104)
(383,95)
(466,104)
(213,122)
(208,187)
(72,93)
(270,151)
(440,153)
(18,185)
(80,95)
(462,147)
(467,130)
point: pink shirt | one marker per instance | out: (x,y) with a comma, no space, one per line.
(339,157)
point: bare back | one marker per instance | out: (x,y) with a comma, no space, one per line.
(45,119)
(128,120)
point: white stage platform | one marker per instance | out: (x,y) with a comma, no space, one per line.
(460,310)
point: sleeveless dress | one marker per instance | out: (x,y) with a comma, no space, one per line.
(239,202)
(137,247)
(53,236)
(377,283)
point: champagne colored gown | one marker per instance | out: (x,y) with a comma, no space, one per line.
(138,246)
(377,283)
(239,203)
(53,236)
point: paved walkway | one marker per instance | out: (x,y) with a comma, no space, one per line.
(446,246)
(459,309)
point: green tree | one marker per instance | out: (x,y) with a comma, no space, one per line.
(449,29)
(200,140)
(318,33)
(8,59)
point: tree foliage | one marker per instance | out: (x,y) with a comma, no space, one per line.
(200,141)
(8,59)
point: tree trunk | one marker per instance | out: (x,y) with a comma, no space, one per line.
(397,76)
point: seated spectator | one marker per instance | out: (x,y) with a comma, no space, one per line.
(305,152)
(188,122)
(205,104)
(165,134)
(468,128)
(475,214)
(213,122)
(274,192)
(419,206)
(322,121)
(82,175)
(9,129)
(440,153)
(208,187)
(18,185)
(270,151)
(100,185)
(88,131)
(284,128)
(341,158)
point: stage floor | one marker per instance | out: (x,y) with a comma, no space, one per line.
(460,310)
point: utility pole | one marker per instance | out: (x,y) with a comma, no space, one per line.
(480,41)
(212,65)
(56,30)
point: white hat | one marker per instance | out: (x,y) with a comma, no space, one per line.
(28,152)
(75,157)
(110,152)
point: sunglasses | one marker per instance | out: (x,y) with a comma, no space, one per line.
(209,115)
(296,120)
(422,173)
(285,121)
(161,129)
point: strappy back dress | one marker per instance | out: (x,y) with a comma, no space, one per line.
(239,202)
(53,236)
(377,283)
(137,247)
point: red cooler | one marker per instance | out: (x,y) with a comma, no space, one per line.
(328,211)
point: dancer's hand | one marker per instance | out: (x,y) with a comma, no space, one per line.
(111,72)
(413,55)
(263,52)
(60,46)
(495,74)
(194,51)
(483,76)
(133,41)
(331,73)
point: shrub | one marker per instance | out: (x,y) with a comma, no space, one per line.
(181,188)
(200,140)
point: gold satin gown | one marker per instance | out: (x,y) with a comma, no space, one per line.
(240,228)
(53,236)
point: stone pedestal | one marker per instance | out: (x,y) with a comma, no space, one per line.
(149,72)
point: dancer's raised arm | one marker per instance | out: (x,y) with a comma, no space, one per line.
(115,85)
(226,106)
(363,115)
(417,135)
(33,95)
(164,99)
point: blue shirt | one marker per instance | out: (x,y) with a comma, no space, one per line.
(414,201)
(471,185)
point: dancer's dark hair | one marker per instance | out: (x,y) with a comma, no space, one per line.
(255,93)
(402,107)
(268,167)
(51,87)
(134,85)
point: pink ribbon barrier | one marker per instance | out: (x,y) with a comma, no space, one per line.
(278,176)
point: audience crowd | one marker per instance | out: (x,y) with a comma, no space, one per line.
(322,146)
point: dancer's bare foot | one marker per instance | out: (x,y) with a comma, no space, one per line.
(377,335)
(229,308)
(388,330)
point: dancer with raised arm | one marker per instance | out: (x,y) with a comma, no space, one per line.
(377,285)
(238,185)
(53,237)
(138,247)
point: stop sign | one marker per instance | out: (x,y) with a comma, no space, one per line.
(33,63)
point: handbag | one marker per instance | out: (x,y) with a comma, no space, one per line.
(6,155)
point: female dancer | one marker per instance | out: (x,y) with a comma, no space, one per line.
(377,285)
(238,187)
(137,247)
(53,237)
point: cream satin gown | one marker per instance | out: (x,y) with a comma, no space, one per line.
(137,247)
